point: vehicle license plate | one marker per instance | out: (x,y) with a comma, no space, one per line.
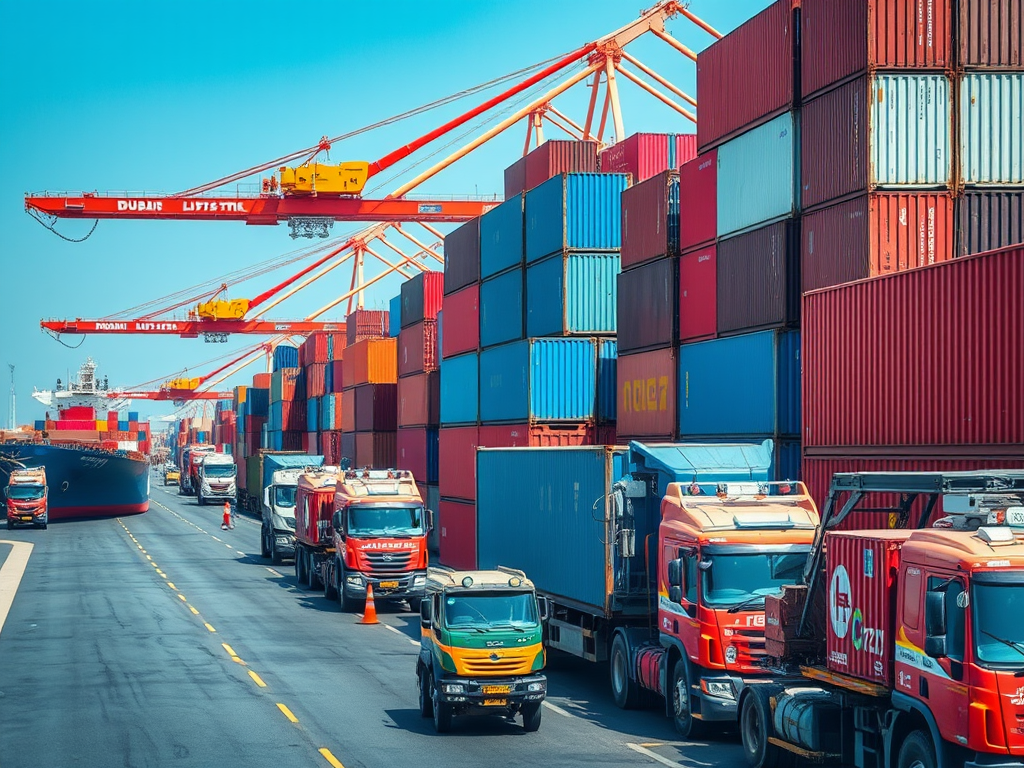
(495,702)
(493,689)
(389,585)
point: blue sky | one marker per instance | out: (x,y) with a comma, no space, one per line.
(164,96)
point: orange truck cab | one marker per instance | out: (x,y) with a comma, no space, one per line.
(27,498)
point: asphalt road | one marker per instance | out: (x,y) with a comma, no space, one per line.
(160,640)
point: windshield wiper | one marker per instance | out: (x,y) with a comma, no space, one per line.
(1018,647)
(744,603)
(508,625)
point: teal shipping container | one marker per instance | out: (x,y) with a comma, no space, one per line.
(607,380)
(740,385)
(501,309)
(501,237)
(911,141)
(313,414)
(394,316)
(992,128)
(575,211)
(460,383)
(758,175)
(537,380)
(571,293)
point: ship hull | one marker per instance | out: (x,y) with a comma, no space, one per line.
(84,482)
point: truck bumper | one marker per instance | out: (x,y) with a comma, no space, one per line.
(412,584)
(719,708)
(284,543)
(477,695)
(994,761)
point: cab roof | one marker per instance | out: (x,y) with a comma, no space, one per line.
(440,579)
(968,549)
(36,475)
(378,484)
(319,478)
(746,512)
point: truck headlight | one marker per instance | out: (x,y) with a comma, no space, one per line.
(419,581)
(730,654)
(356,581)
(453,688)
(535,687)
(721,689)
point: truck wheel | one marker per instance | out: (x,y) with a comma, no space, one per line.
(275,556)
(917,751)
(442,711)
(300,567)
(330,582)
(264,549)
(10,525)
(687,725)
(625,691)
(755,728)
(199,499)
(348,604)
(313,572)
(426,703)
(414,604)
(531,716)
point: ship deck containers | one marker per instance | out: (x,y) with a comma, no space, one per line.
(570,293)
(574,211)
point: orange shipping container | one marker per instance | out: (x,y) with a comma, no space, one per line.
(261,381)
(647,394)
(371,361)
(348,411)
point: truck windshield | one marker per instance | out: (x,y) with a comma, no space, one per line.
(284,495)
(385,521)
(219,470)
(490,609)
(998,630)
(732,579)
(24,492)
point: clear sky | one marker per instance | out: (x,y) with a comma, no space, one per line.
(115,95)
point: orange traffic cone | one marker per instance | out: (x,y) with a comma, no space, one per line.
(370,612)
(227,515)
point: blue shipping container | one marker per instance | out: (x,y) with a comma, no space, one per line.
(257,402)
(538,380)
(312,414)
(501,237)
(395,316)
(433,457)
(572,293)
(133,415)
(992,127)
(580,211)
(706,463)
(740,385)
(911,141)
(122,426)
(276,416)
(285,356)
(460,383)
(501,309)
(758,175)
(607,380)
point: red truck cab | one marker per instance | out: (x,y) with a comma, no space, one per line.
(27,498)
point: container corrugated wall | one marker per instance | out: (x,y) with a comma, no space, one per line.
(515,178)
(580,211)
(501,237)
(462,256)
(757,176)
(764,400)
(572,293)
(992,128)
(395,315)
(419,400)
(456,521)
(834,144)
(650,219)
(989,219)
(911,141)
(421,297)
(460,389)
(647,306)
(558,156)
(607,370)
(991,33)
(946,360)
(759,279)
(698,200)
(501,309)
(457,469)
(698,294)
(647,396)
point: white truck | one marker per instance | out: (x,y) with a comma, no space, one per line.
(216,478)
(280,473)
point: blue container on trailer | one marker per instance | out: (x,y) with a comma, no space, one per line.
(572,293)
(740,385)
(541,380)
(758,175)
(133,415)
(257,402)
(395,316)
(580,211)
(285,356)
(312,414)
(433,456)
(501,309)
(501,237)
(607,380)
(460,383)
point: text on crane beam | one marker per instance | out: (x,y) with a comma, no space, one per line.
(187,206)
(147,326)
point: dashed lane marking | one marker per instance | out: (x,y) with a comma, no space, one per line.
(10,575)
(209,626)
(194,610)
(171,585)
(240,552)
(554,708)
(234,656)
(275,572)
(664,760)
(396,631)
(257,679)
(335,762)
(182,598)
(287,712)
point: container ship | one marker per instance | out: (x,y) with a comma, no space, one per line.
(95,456)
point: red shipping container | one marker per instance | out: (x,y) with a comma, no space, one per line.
(515,178)
(419,400)
(421,297)
(337,375)
(746,77)
(79,413)
(536,435)
(698,294)
(112,417)
(456,521)
(928,357)
(560,156)
(605,434)
(417,348)
(698,200)
(348,411)
(648,154)
(366,324)
(457,465)
(991,34)
(648,231)
(316,380)
(376,407)
(875,234)
(839,39)
(314,510)
(291,440)
(375,450)
(411,452)
(861,626)
(462,322)
(261,381)
(647,395)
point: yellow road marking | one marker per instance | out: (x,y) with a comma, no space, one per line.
(193,609)
(171,585)
(182,598)
(210,627)
(10,575)
(287,713)
(229,649)
(330,758)
(257,679)
(161,573)
(149,557)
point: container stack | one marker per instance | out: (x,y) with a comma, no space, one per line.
(644,155)
(369,401)
(224,427)
(320,357)
(112,430)
(286,418)
(550,159)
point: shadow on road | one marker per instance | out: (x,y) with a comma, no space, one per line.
(470,725)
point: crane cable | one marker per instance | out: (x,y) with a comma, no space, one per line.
(35,215)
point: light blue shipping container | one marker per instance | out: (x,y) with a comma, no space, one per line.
(538,380)
(326,412)
(312,414)
(275,416)
(607,379)
(992,128)
(572,293)
(460,384)
(501,309)
(740,385)
(501,237)
(285,356)
(395,316)
(580,211)
(911,141)
(758,175)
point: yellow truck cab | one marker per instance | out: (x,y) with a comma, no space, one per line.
(481,650)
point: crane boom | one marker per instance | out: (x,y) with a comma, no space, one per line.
(190,328)
(173,394)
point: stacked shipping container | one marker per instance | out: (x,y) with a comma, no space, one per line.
(321,357)
(369,402)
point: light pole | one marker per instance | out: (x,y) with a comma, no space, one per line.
(11,417)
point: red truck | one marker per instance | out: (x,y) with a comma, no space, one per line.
(191,458)
(26,498)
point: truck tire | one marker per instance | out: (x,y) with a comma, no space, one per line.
(264,547)
(199,499)
(300,567)
(10,525)
(313,572)
(275,556)
(755,729)
(531,716)
(414,604)
(426,702)
(686,724)
(917,751)
(442,710)
(348,604)
(625,691)
(330,582)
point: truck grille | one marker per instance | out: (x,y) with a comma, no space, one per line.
(481,663)
(749,644)
(387,562)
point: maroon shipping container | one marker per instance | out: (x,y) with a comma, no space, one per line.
(988,219)
(839,39)
(366,324)
(861,578)
(330,446)
(417,348)
(834,154)
(462,322)
(456,521)
(746,77)
(515,178)
(462,256)
(348,447)
(337,374)
(560,156)
(698,200)
(292,440)
(536,435)
(316,380)
(419,400)
(411,452)
(376,407)
(875,234)
(648,231)
(928,357)
(457,461)
(348,410)
(759,279)
(647,306)
(421,297)
(648,154)
(991,34)
(376,450)
(647,395)
(698,294)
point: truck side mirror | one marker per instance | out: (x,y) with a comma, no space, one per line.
(337,522)
(426,613)
(430,520)
(545,608)
(675,594)
(675,573)
(935,624)
(266,496)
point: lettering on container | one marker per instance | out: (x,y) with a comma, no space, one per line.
(705,164)
(846,619)
(641,395)
(838,658)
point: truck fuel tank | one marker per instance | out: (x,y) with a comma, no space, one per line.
(809,717)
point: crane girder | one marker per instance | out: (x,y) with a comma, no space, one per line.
(189,328)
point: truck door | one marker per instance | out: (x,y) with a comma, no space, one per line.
(943,685)
(679,619)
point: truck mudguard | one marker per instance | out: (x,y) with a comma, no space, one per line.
(907,704)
